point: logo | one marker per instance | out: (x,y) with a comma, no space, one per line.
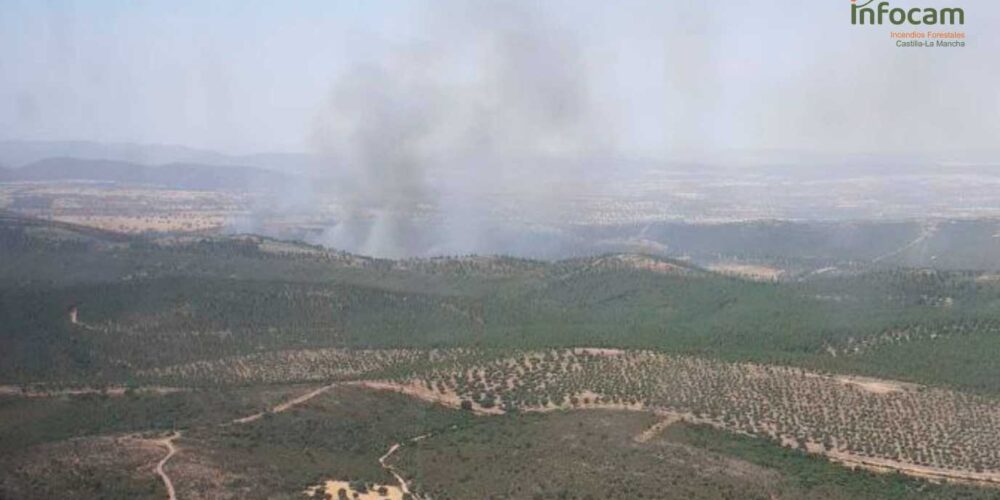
(878,15)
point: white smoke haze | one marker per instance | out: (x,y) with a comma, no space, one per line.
(498,106)
(670,77)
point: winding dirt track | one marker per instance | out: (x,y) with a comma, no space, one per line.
(403,485)
(926,232)
(402,482)
(667,420)
(287,405)
(168,443)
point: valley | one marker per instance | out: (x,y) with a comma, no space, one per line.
(263,368)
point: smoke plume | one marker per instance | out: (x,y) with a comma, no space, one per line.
(491,109)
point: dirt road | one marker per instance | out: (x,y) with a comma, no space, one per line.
(667,420)
(926,233)
(168,443)
(287,405)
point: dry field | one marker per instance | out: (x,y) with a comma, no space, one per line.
(161,223)
(126,209)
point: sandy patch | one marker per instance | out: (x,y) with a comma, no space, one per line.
(332,488)
(748,271)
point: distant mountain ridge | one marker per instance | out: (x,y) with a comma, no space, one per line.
(191,176)
(21,153)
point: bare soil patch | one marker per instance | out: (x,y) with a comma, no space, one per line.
(749,271)
(332,487)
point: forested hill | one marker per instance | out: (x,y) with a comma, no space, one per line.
(147,302)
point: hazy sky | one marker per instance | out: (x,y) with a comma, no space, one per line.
(651,77)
